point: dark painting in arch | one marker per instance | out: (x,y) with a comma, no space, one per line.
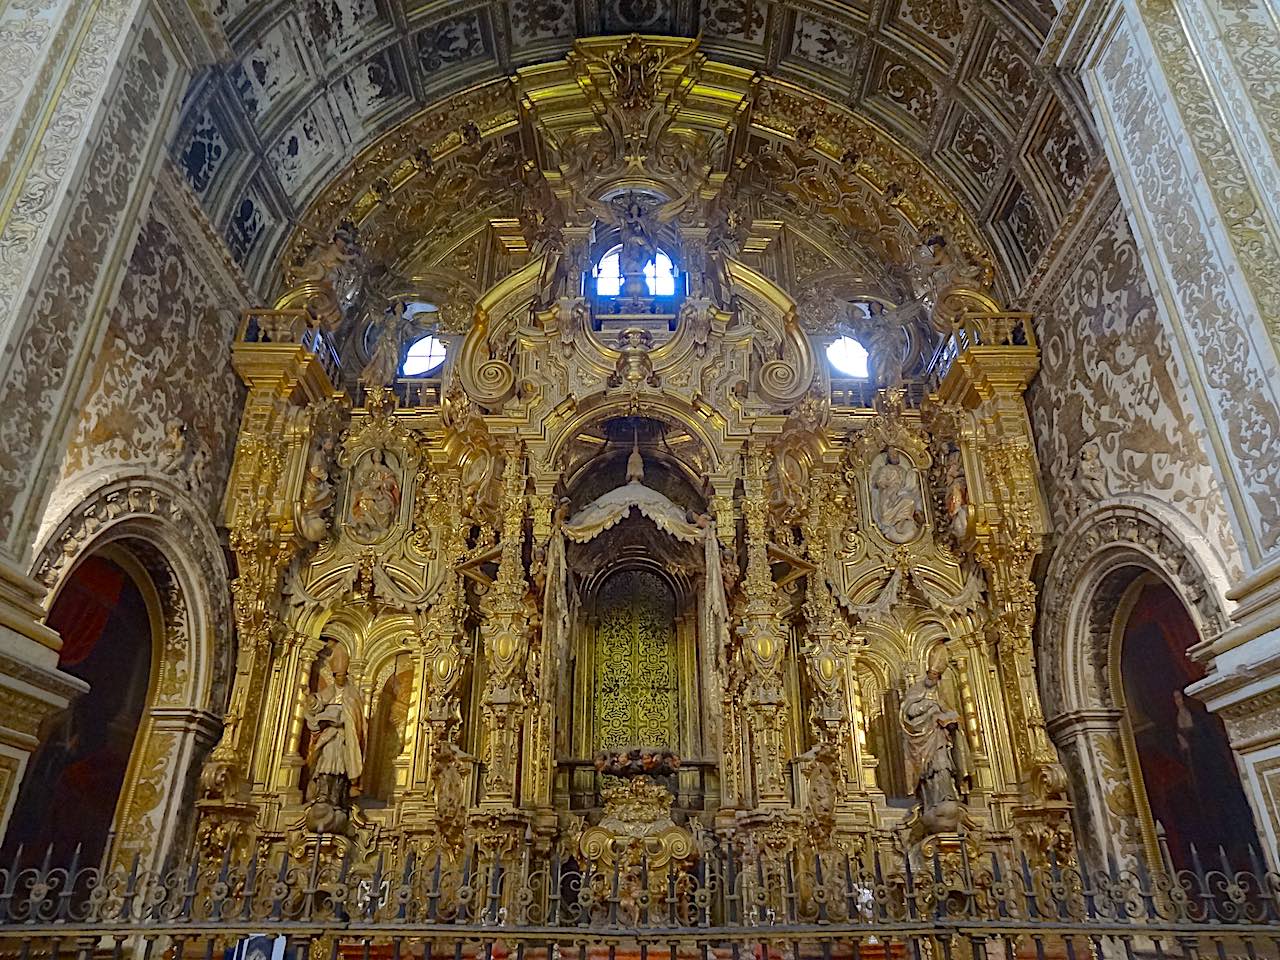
(1188,769)
(72,784)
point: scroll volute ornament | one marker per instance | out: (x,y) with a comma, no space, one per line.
(781,381)
(488,378)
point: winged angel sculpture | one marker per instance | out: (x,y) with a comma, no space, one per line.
(637,232)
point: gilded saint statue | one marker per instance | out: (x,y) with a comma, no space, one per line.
(335,755)
(375,497)
(956,493)
(937,753)
(896,503)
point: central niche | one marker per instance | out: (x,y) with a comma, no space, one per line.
(634,584)
(635,689)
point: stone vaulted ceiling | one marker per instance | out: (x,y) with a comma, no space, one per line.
(300,88)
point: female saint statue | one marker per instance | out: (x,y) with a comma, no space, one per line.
(937,753)
(375,501)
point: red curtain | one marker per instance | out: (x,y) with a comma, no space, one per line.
(83,607)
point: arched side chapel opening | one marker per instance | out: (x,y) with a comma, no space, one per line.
(1186,782)
(135,576)
(1152,773)
(108,615)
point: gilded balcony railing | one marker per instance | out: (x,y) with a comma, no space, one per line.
(290,327)
(970,330)
(719,902)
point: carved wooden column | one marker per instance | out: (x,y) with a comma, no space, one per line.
(764,641)
(996,357)
(282,375)
(505,630)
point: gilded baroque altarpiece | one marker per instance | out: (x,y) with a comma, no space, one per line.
(646,531)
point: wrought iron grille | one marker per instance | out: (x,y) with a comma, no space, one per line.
(717,905)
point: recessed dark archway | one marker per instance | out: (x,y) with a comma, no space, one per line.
(1188,772)
(72,786)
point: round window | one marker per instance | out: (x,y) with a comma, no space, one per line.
(848,358)
(425,356)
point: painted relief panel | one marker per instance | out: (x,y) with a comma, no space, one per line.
(1106,407)
(909,90)
(367,90)
(535,20)
(341,26)
(269,71)
(24,29)
(1008,77)
(825,43)
(452,41)
(939,20)
(249,217)
(205,151)
(741,20)
(306,147)
(163,392)
(975,151)
(642,16)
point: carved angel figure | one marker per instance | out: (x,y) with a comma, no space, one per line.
(1091,475)
(337,269)
(634,365)
(938,266)
(317,493)
(542,223)
(956,493)
(399,323)
(636,225)
(886,339)
(375,499)
(896,504)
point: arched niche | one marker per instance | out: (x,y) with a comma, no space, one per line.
(169,551)
(1095,581)
(385,668)
(634,637)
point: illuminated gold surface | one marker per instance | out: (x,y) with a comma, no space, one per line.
(833,608)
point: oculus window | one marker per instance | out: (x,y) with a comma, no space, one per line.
(426,354)
(848,358)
